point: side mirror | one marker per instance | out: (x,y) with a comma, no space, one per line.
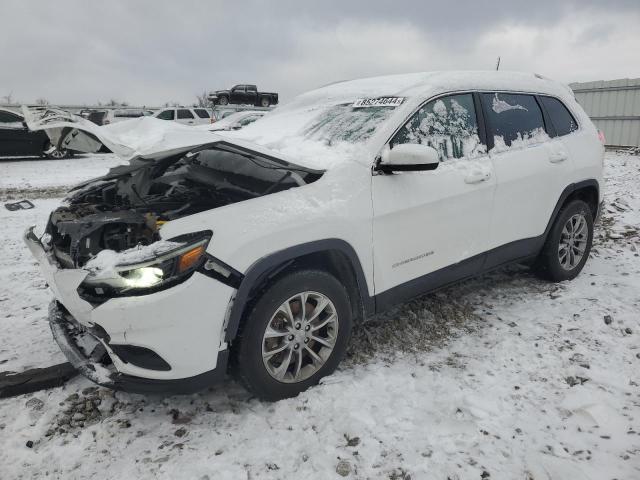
(409,157)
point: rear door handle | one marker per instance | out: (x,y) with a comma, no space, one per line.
(477,177)
(557,157)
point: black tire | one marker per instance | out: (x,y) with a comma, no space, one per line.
(223,100)
(548,265)
(265,102)
(248,352)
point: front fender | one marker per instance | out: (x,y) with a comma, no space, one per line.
(265,266)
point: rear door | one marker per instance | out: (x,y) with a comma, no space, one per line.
(252,95)
(185,116)
(426,221)
(16,138)
(531,170)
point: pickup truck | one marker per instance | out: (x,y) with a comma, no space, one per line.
(244,94)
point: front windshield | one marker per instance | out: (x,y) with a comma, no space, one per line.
(346,123)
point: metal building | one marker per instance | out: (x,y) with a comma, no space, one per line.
(614,107)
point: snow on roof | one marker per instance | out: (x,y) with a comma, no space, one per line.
(288,127)
(426,84)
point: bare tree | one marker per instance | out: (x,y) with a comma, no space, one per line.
(8,98)
(116,103)
(42,101)
(202,100)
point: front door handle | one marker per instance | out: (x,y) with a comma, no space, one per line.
(557,157)
(477,177)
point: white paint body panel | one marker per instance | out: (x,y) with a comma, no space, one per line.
(424,221)
(387,219)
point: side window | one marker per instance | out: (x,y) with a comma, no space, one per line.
(8,117)
(202,113)
(447,124)
(166,115)
(184,113)
(513,117)
(561,118)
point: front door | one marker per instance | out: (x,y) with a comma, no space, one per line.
(433,221)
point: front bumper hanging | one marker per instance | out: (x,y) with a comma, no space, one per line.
(92,363)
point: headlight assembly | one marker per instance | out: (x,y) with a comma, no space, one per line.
(148,269)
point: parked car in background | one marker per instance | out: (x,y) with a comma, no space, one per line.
(109,115)
(244,95)
(235,120)
(266,245)
(17,140)
(185,115)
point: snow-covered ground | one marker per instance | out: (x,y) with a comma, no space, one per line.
(502,377)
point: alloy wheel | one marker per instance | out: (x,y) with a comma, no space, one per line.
(300,337)
(573,241)
(58,154)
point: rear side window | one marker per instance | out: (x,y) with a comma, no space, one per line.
(183,113)
(447,124)
(202,113)
(561,118)
(7,117)
(167,115)
(513,117)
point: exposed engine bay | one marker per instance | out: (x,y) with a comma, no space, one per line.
(127,207)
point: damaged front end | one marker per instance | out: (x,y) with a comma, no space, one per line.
(129,302)
(127,207)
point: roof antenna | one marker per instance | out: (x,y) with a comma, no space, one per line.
(498,64)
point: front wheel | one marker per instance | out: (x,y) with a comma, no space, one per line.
(568,244)
(223,100)
(296,333)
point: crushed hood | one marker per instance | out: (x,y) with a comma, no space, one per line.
(144,137)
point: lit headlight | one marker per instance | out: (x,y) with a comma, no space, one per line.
(160,269)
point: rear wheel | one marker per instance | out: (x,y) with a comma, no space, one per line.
(265,102)
(568,244)
(58,154)
(296,333)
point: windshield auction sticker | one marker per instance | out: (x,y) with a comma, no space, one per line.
(378,102)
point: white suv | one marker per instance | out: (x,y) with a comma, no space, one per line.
(185,115)
(268,244)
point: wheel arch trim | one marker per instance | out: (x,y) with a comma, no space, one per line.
(566,193)
(273,263)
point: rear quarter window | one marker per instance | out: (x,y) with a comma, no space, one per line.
(183,113)
(513,117)
(202,113)
(562,120)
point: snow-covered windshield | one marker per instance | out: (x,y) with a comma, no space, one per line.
(346,123)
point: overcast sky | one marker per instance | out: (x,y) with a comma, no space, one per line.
(151,52)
